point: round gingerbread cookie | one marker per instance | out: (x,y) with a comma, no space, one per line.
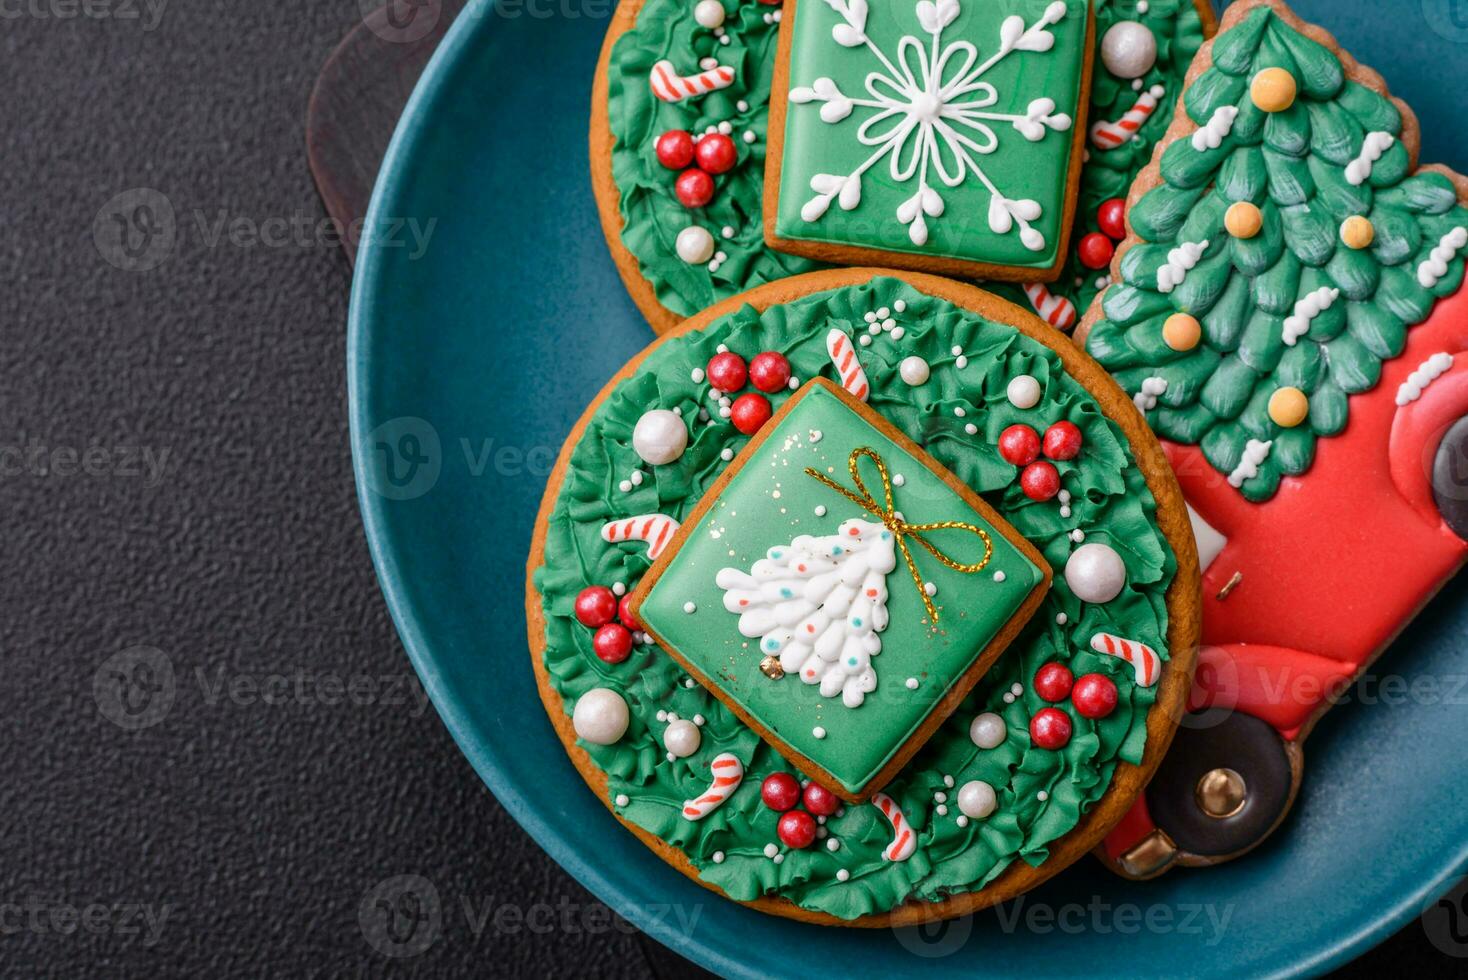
(679,128)
(972,523)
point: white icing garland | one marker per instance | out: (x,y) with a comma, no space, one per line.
(1210,136)
(1435,266)
(1307,308)
(924,125)
(1146,399)
(1359,169)
(1255,453)
(1427,372)
(1180,262)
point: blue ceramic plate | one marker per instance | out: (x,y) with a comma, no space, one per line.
(470,359)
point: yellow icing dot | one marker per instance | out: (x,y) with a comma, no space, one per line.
(1288,407)
(1181,331)
(1273,90)
(1243,220)
(1357,232)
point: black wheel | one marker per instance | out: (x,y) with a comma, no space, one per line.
(1222,788)
(1450,477)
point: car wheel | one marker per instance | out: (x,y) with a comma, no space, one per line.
(1223,788)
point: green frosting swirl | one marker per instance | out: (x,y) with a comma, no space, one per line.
(1109,502)
(1261,330)
(652,215)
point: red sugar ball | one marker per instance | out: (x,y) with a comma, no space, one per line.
(1094,696)
(749,412)
(1063,440)
(1053,682)
(715,153)
(1095,250)
(1111,216)
(769,371)
(624,613)
(797,829)
(780,791)
(595,606)
(1050,728)
(821,801)
(726,371)
(694,188)
(675,149)
(1019,445)
(1040,481)
(613,643)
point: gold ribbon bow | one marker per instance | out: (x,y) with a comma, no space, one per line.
(900,528)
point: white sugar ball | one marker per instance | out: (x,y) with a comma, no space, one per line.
(694,245)
(682,738)
(976,799)
(709,13)
(600,716)
(914,370)
(1023,391)
(659,436)
(1095,573)
(1129,49)
(988,731)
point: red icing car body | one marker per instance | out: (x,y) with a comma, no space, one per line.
(1303,591)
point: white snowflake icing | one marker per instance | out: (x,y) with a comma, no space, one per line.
(931,116)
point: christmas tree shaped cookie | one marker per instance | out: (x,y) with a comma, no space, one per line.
(940,135)
(1282,249)
(840,590)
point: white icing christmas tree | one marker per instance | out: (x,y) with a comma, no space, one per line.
(818,604)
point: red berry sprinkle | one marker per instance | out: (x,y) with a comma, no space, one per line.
(613,643)
(797,829)
(780,791)
(715,153)
(1050,728)
(1040,481)
(1063,440)
(1111,216)
(749,412)
(675,149)
(1095,250)
(595,606)
(726,371)
(1053,682)
(1094,696)
(769,371)
(624,613)
(1019,445)
(694,188)
(821,801)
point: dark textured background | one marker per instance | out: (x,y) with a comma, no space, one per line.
(139,615)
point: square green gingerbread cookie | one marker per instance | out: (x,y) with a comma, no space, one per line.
(939,135)
(840,590)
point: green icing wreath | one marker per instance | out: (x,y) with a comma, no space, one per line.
(957,416)
(652,215)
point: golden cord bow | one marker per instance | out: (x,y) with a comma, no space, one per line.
(900,528)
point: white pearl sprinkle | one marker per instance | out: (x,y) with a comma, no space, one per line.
(727,231)
(726,454)
(912,683)
(699,720)
(1016,689)
(771,850)
(718,857)
(971,429)
(1064,496)
(818,732)
(726,128)
(662,715)
(622,799)
(619,588)
(1061,619)
(959,411)
(833,844)
(1042,796)
(960,362)
(883,313)
(721,349)
(898,479)
(948,781)
(869,317)
(897,333)
(961,820)
(942,810)
(672,757)
(625,486)
(929,589)
(1008,698)
(842,874)
(940,797)
(690,683)
(820,510)
(749,136)
(822,833)
(637,478)
(1064,510)
(900,305)
(742,106)
(725,411)
(957,350)
(999,576)
(689,607)
(1078,535)
(820,820)
(865,340)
